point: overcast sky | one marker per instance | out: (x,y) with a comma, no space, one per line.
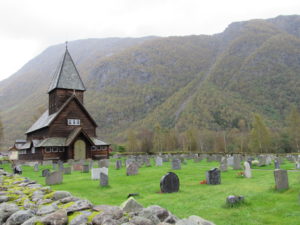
(27,27)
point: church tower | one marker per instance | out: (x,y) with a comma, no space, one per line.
(65,83)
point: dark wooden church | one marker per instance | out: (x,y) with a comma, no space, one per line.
(66,130)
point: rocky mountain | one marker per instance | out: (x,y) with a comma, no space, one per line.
(204,81)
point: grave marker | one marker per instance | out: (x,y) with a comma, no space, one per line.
(169,183)
(213,176)
(54,178)
(132,169)
(281,179)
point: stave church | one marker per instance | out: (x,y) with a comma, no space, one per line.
(65,130)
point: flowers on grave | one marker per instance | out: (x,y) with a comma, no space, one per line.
(203,182)
(240,174)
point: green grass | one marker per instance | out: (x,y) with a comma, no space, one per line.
(263,205)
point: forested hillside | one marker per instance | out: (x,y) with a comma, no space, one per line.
(190,87)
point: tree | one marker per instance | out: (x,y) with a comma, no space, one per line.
(157,138)
(1,134)
(293,122)
(146,140)
(260,135)
(132,143)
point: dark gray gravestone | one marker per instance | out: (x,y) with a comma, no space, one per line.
(85,168)
(118,164)
(36,167)
(54,178)
(67,170)
(213,176)
(132,169)
(45,172)
(176,164)
(104,178)
(281,179)
(169,183)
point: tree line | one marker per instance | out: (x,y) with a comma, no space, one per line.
(242,137)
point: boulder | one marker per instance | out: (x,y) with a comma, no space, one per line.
(61,194)
(138,220)
(115,211)
(19,217)
(46,209)
(79,205)
(6,210)
(80,219)
(131,205)
(59,217)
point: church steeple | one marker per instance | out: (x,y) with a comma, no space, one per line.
(66,82)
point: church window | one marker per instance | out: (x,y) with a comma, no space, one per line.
(32,150)
(73,122)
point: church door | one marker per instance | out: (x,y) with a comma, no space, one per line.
(79,150)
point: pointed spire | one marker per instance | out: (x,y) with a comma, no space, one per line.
(66,75)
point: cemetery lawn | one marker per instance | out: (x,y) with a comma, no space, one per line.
(263,204)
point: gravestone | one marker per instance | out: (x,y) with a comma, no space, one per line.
(45,172)
(147,162)
(70,162)
(247,171)
(132,169)
(262,160)
(77,167)
(297,165)
(281,179)
(103,163)
(54,166)
(158,161)
(95,173)
(276,164)
(36,167)
(85,168)
(169,183)
(223,164)
(54,178)
(61,166)
(213,176)
(237,162)
(104,177)
(176,164)
(67,170)
(91,164)
(118,164)
(230,161)
(129,161)
(18,169)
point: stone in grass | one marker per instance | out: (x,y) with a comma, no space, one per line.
(281,179)
(194,220)
(59,217)
(54,178)
(19,217)
(130,205)
(233,200)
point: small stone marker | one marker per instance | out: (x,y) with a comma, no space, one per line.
(45,172)
(118,164)
(147,162)
(85,168)
(176,164)
(67,170)
(132,169)
(95,173)
(213,176)
(77,167)
(281,179)
(103,163)
(104,177)
(158,161)
(233,200)
(223,164)
(54,178)
(36,167)
(247,171)
(169,183)
(276,164)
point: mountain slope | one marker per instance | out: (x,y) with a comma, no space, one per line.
(203,81)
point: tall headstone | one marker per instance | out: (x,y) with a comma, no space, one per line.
(169,183)
(103,163)
(176,164)
(236,162)
(247,170)
(223,164)
(213,176)
(36,167)
(281,179)
(54,178)
(104,176)
(118,164)
(132,169)
(158,161)
(230,161)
